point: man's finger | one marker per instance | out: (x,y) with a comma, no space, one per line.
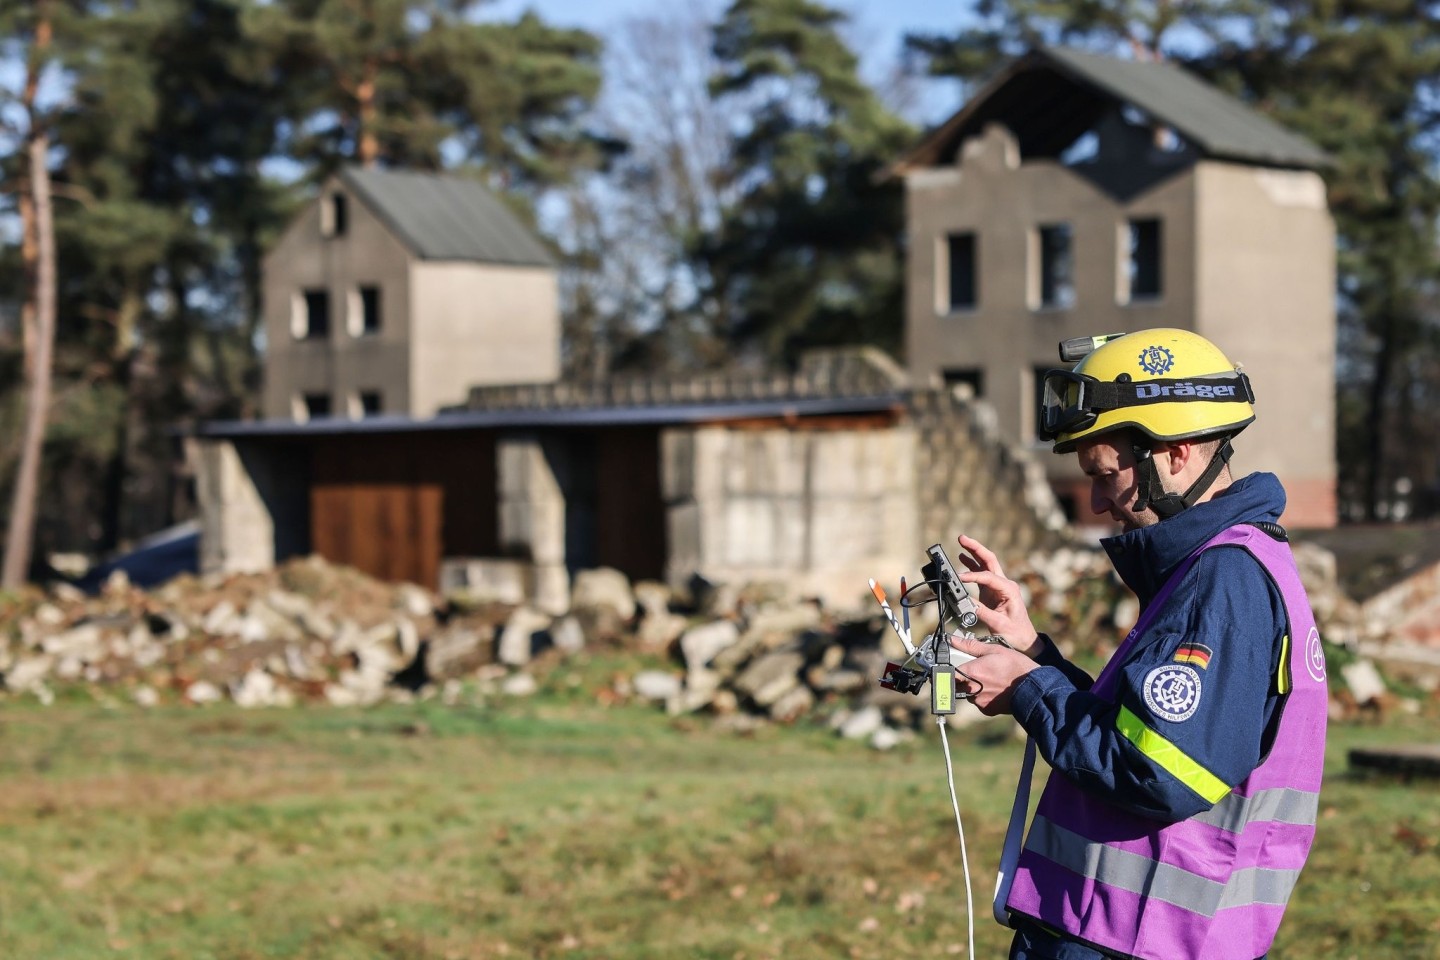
(982,553)
(986,578)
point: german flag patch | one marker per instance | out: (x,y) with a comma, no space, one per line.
(1196,654)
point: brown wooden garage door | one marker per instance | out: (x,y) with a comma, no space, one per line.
(393,505)
(630,509)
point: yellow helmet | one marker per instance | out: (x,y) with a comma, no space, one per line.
(1168,384)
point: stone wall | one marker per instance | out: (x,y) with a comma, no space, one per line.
(815,512)
(821,511)
(970,479)
(831,373)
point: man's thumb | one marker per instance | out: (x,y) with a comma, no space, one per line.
(969,645)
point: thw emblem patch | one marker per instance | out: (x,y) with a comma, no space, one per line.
(1172,692)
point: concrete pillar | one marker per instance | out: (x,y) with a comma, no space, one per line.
(252,501)
(532,514)
(692,484)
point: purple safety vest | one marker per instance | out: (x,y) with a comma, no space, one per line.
(1213,886)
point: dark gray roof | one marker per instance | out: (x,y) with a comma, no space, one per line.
(1051,96)
(1218,123)
(679,413)
(446,217)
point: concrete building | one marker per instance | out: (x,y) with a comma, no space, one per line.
(394,293)
(1077,195)
(813,482)
(1074,195)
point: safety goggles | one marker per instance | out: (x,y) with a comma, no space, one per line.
(1071,402)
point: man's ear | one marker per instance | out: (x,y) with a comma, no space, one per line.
(1181,452)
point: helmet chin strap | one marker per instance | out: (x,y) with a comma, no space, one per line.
(1154,495)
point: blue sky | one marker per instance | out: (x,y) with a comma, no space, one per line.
(882,22)
(875,29)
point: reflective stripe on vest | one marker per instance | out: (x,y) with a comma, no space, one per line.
(1158,881)
(1281,805)
(1213,886)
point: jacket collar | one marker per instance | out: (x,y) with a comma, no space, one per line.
(1146,557)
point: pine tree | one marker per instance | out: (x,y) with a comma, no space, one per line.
(422,84)
(35,25)
(158,118)
(809,254)
(220,104)
(163,133)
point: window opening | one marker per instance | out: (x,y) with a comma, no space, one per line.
(1144,268)
(316,325)
(963,276)
(369,310)
(972,377)
(334,216)
(1057,274)
(317,405)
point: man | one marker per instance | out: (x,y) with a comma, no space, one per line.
(1186,776)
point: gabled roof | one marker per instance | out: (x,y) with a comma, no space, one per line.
(446,217)
(1051,96)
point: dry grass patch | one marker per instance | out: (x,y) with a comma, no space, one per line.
(557,828)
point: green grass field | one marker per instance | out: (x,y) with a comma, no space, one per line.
(557,827)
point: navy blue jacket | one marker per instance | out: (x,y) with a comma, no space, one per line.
(1226,602)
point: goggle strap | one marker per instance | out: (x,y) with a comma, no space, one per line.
(1113,396)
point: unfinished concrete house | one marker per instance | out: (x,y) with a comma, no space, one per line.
(395,293)
(1076,195)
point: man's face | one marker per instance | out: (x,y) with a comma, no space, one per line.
(1113,484)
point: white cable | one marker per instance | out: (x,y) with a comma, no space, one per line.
(964,857)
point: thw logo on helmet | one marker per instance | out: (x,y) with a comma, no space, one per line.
(1156,360)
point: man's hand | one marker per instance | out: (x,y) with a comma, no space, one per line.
(1000,608)
(989,680)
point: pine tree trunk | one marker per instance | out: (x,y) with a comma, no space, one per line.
(40,345)
(367,144)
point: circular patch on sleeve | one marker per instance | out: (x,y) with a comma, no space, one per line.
(1172,692)
(1315,656)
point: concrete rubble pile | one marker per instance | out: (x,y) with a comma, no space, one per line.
(307,631)
(781,661)
(310,631)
